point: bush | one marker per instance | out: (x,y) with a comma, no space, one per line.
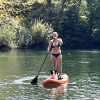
(41,32)
(36,37)
(6,37)
(23,37)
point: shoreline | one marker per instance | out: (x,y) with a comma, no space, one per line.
(7,48)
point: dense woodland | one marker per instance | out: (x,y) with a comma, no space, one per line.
(30,23)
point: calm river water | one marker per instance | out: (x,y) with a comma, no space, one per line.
(19,67)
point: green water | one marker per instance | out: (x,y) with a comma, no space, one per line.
(19,67)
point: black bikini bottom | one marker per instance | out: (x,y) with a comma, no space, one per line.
(56,55)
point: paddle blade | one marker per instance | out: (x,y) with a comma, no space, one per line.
(34,81)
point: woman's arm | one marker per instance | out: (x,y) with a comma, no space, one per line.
(60,41)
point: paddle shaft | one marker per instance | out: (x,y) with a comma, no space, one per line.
(42,64)
(36,78)
(44,60)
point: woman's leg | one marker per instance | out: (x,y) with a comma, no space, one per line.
(60,63)
(54,61)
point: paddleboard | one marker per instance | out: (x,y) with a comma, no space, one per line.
(52,80)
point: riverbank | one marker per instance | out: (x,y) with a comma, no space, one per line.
(64,47)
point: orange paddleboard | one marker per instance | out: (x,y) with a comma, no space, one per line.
(53,80)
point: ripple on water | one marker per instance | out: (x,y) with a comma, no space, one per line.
(86,86)
(86,62)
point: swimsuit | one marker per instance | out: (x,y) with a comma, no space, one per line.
(56,55)
(55,46)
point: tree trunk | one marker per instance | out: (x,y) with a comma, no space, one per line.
(49,3)
(90,17)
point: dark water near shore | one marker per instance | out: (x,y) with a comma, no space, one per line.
(19,67)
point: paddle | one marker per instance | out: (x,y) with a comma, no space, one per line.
(34,81)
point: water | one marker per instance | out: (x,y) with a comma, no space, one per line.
(19,67)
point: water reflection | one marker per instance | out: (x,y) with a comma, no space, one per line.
(57,93)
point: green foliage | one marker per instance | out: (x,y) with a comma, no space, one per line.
(23,36)
(76,21)
(6,37)
(41,32)
(37,37)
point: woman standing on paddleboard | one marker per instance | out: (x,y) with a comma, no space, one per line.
(56,55)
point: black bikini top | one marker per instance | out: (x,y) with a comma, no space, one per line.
(55,46)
